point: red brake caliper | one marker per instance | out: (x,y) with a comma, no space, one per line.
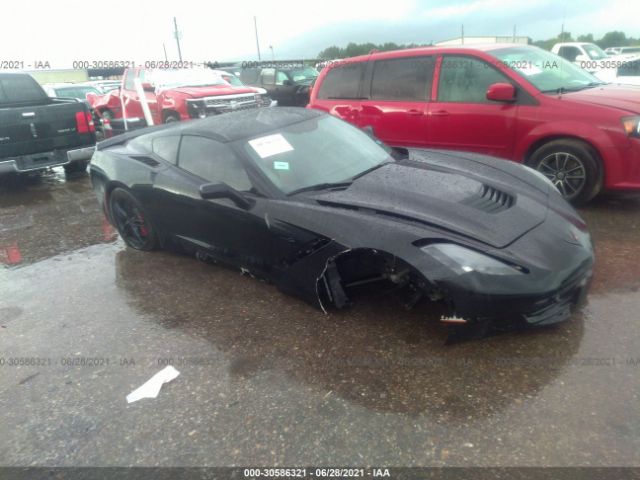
(143,229)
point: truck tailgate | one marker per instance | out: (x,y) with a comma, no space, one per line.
(41,128)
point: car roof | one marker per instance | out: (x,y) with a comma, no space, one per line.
(249,123)
(227,127)
(430,50)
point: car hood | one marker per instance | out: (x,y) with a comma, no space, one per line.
(473,198)
(624,97)
(210,91)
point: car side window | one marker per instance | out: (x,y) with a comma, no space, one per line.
(212,161)
(629,69)
(466,80)
(403,79)
(342,81)
(281,77)
(166,147)
(569,53)
(268,76)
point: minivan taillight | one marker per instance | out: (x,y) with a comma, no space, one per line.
(82,126)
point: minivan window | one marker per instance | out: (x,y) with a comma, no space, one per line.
(402,79)
(466,79)
(549,73)
(342,81)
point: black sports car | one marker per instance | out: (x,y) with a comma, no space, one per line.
(320,209)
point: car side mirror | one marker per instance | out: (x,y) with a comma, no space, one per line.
(287,83)
(210,191)
(501,92)
(148,87)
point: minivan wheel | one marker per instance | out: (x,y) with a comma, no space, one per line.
(130,220)
(171,117)
(572,166)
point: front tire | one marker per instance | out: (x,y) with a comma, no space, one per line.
(572,166)
(133,225)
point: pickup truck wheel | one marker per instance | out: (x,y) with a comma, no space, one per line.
(572,166)
(130,220)
(171,117)
(76,167)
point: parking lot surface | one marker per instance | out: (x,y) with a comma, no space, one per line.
(267,380)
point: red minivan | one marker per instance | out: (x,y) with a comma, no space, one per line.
(516,102)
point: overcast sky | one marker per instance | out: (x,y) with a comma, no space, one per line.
(67,30)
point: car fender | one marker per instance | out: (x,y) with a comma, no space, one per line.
(595,137)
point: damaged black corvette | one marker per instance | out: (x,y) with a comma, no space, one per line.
(320,208)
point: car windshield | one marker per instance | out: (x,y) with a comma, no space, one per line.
(546,71)
(76,92)
(303,75)
(232,80)
(184,78)
(630,50)
(318,152)
(595,52)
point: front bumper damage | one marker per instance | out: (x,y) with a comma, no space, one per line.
(533,309)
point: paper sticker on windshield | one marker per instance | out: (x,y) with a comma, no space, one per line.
(270,145)
(281,165)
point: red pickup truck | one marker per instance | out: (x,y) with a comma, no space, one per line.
(174,95)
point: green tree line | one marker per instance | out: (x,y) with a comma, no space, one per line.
(609,39)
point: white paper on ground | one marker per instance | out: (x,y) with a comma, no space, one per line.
(151,388)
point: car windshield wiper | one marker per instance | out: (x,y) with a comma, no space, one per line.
(321,186)
(369,170)
(561,90)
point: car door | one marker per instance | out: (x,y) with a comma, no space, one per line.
(339,92)
(230,233)
(461,117)
(398,91)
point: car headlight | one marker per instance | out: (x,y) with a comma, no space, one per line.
(632,126)
(464,260)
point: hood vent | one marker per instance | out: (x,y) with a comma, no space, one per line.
(491,200)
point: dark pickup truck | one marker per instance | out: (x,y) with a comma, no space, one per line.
(37,132)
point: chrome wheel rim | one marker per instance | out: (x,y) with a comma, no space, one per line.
(566,172)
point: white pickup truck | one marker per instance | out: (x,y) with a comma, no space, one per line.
(586,55)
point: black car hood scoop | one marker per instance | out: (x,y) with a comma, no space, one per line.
(486,209)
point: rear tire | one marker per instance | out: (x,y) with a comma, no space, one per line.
(132,223)
(573,166)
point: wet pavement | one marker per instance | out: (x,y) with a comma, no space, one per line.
(268,380)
